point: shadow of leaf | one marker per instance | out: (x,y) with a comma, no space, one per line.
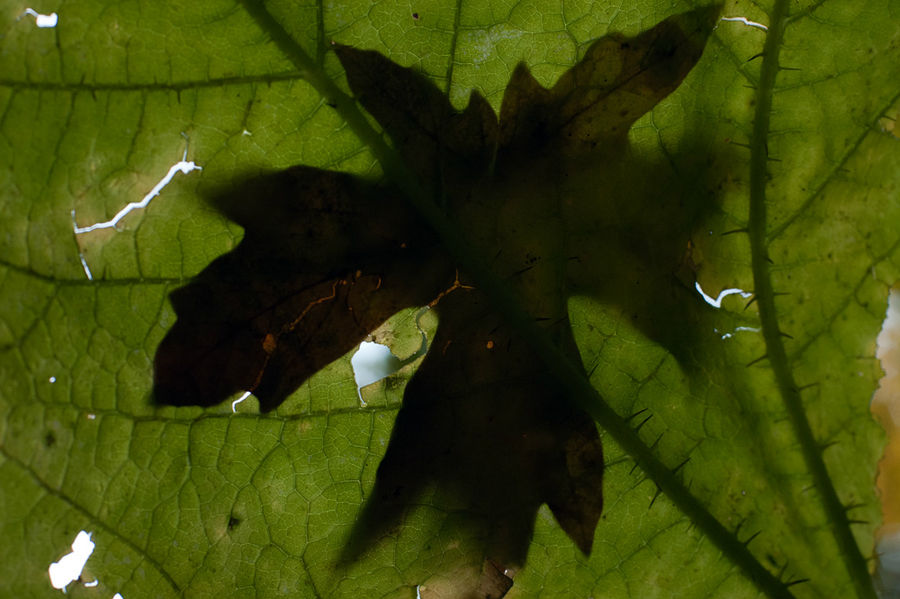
(549,194)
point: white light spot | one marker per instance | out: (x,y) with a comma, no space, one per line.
(52,379)
(371,363)
(118,596)
(374,361)
(239,400)
(746,22)
(418,592)
(717,302)
(92,583)
(245,132)
(69,567)
(482,43)
(889,355)
(87,270)
(182,166)
(91,416)
(738,329)
(42,21)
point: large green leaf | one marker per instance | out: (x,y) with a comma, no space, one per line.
(791,146)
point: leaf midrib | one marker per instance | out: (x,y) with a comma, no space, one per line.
(765,299)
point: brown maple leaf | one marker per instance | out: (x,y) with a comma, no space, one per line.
(328,257)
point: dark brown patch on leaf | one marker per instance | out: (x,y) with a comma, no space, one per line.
(325,259)
(493,584)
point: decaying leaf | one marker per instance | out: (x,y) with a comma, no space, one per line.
(325,260)
(327,257)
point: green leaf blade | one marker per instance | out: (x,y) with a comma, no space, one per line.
(93,119)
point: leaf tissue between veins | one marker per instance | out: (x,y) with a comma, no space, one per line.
(327,257)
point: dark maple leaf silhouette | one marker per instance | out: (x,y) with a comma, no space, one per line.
(328,257)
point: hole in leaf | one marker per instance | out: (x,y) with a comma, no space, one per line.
(374,361)
(69,567)
(42,21)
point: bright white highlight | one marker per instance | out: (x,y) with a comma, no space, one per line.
(717,302)
(371,363)
(42,21)
(87,269)
(118,596)
(239,400)
(68,568)
(739,329)
(182,166)
(52,379)
(374,361)
(746,22)
(92,584)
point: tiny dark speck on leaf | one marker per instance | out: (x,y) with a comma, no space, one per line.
(233,522)
(415,15)
(50,439)
(393,382)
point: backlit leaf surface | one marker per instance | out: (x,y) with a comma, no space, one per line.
(195,502)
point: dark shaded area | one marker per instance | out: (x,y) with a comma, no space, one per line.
(327,257)
(635,250)
(496,436)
